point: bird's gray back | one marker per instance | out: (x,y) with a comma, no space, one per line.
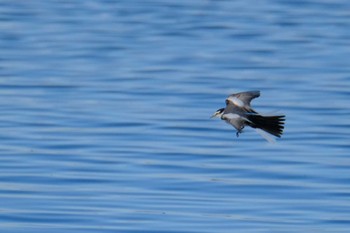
(231,108)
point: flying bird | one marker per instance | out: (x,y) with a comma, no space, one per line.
(239,114)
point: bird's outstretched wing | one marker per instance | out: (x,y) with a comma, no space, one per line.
(242,100)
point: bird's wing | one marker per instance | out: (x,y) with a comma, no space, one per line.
(243,99)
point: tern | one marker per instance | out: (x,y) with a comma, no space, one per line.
(239,114)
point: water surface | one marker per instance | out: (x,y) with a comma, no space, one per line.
(105,116)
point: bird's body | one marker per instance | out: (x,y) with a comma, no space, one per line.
(239,114)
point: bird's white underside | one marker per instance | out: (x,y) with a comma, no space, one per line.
(231,116)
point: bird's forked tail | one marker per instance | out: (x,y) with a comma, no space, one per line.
(271,124)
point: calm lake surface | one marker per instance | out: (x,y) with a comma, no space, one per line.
(105,106)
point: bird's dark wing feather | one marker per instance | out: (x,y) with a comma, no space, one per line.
(243,99)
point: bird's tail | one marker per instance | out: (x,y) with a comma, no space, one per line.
(271,124)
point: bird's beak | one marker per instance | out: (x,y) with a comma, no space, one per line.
(214,115)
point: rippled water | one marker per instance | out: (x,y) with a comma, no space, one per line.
(105,111)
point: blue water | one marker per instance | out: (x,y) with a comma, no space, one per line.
(105,106)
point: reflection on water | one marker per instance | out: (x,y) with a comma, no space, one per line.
(105,112)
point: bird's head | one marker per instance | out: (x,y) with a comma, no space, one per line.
(218,113)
